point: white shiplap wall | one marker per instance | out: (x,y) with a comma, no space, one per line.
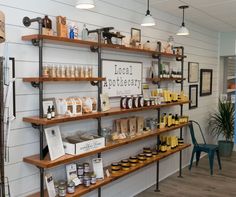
(201,46)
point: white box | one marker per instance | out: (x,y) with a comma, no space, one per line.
(83,147)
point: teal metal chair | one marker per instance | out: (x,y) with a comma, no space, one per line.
(210,149)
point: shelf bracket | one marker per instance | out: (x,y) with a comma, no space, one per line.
(94,83)
(35,84)
(94,48)
(35,42)
(35,126)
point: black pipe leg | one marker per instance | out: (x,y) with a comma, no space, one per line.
(41,182)
(180,165)
(157,178)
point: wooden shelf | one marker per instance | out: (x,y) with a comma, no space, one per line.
(81,190)
(83,43)
(47,79)
(113,111)
(158,79)
(47,163)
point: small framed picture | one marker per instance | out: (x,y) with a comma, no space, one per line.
(193,72)
(49,102)
(205,82)
(193,96)
(136,34)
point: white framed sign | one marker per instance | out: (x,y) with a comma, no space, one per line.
(122,78)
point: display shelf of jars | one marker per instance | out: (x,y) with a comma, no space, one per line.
(114,111)
(81,190)
(47,163)
(84,43)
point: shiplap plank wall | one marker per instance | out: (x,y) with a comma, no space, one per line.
(201,46)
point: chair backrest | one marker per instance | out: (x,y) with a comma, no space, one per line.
(194,141)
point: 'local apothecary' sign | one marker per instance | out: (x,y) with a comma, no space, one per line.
(122,78)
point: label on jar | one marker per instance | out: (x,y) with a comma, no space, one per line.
(129,103)
(141,102)
(62,192)
(123,103)
(80,171)
(71,189)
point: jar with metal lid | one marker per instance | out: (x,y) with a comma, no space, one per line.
(148,155)
(125,168)
(154,153)
(80,170)
(87,181)
(123,102)
(141,157)
(140,101)
(62,191)
(71,187)
(152,101)
(115,166)
(93,179)
(129,102)
(86,167)
(125,163)
(147,150)
(81,178)
(147,102)
(135,101)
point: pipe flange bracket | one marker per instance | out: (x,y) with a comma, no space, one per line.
(35,84)
(94,83)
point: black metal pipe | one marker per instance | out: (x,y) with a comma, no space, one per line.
(181,111)
(41,182)
(2,173)
(13,85)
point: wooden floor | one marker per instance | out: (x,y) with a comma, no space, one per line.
(199,183)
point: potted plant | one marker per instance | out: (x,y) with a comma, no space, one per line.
(221,123)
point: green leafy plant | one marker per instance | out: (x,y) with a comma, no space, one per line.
(222,121)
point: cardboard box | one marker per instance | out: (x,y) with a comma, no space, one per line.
(85,146)
(61,26)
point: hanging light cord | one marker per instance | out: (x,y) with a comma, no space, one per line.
(183,18)
(148,11)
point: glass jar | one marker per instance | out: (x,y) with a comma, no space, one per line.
(62,191)
(80,170)
(86,167)
(87,181)
(93,179)
(71,187)
(123,102)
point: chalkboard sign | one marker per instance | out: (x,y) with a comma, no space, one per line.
(123,78)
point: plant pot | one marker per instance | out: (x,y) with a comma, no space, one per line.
(225,148)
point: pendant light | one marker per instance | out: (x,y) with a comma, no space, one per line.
(183,31)
(85,4)
(148,20)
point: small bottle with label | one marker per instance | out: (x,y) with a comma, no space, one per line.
(84,35)
(49,113)
(176,119)
(53,112)
(169,120)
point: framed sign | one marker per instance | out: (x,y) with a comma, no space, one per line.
(193,72)
(193,96)
(136,34)
(122,78)
(205,82)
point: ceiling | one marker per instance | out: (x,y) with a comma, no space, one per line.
(218,15)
